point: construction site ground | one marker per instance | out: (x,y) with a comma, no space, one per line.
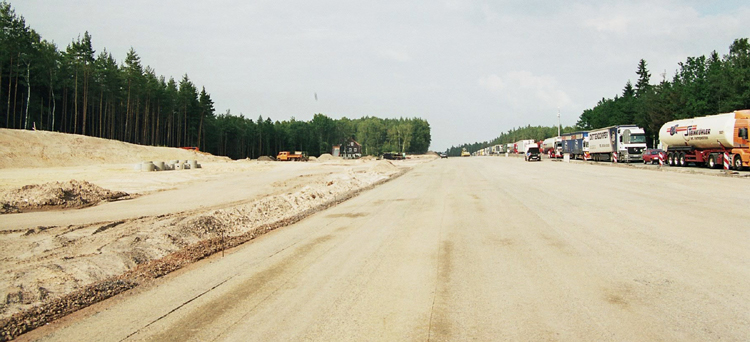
(74,220)
(450,249)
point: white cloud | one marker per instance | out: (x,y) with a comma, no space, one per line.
(524,89)
(398,56)
(504,63)
(492,82)
(617,24)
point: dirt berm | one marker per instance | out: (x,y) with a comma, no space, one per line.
(49,270)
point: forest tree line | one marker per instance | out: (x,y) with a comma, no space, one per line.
(239,137)
(701,86)
(515,134)
(80,91)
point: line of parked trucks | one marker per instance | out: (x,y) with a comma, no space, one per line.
(709,141)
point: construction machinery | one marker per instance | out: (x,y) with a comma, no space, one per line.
(288,156)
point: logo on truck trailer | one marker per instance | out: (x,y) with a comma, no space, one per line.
(689,130)
(600,135)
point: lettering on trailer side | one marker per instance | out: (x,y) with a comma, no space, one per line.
(600,135)
(692,132)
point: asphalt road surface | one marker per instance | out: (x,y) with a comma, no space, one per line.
(486,249)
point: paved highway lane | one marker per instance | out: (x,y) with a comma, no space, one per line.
(470,249)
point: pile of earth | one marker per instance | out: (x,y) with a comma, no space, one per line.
(384,166)
(266,158)
(327,157)
(65,268)
(33,149)
(56,195)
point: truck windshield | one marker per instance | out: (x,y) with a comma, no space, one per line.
(637,138)
(534,150)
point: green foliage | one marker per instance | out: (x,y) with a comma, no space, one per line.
(79,91)
(701,86)
(536,133)
(240,137)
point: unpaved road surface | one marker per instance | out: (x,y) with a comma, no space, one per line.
(486,249)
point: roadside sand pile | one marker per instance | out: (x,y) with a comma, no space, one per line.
(23,149)
(327,157)
(55,195)
(52,268)
(383,166)
(265,158)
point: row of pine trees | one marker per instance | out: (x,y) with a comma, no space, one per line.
(80,91)
(703,85)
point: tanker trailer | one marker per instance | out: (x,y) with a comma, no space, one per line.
(704,140)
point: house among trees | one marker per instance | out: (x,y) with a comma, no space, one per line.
(352,150)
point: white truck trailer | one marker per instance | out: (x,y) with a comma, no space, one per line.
(520,146)
(623,142)
(552,147)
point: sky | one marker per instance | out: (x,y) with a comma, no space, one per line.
(472,69)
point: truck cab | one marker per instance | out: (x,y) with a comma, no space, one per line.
(632,142)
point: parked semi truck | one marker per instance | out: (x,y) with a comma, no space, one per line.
(576,144)
(704,140)
(624,142)
(552,147)
(520,146)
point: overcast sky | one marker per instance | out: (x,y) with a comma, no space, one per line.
(473,69)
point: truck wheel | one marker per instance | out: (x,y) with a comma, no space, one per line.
(682,160)
(712,161)
(737,162)
(670,159)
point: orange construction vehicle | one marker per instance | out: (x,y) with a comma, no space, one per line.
(296,156)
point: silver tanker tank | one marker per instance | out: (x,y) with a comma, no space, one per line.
(706,132)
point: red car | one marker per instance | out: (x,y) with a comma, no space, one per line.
(651,155)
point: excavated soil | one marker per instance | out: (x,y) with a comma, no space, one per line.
(63,269)
(327,157)
(37,149)
(48,271)
(56,195)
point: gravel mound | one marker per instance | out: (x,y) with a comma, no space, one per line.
(38,149)
(327,157)
(266,158)
(132,252)
(55,195)
(384,166)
